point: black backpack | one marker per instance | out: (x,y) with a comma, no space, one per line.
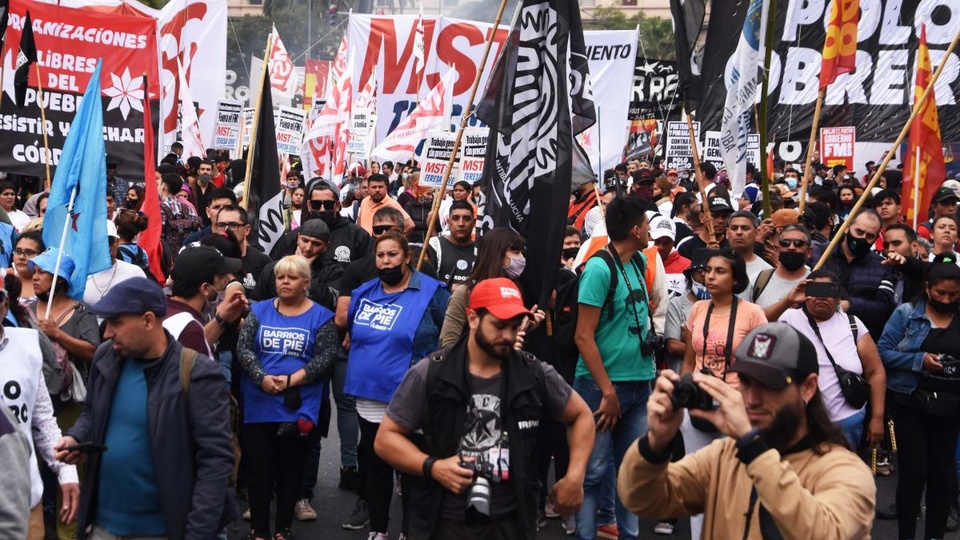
(567,309)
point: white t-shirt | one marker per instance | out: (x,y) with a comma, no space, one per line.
(591,220)
(777,288)
(754,268)
(98,284)
(838,337)
(18,219)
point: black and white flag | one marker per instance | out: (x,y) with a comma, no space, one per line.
(265,198)
(537,99)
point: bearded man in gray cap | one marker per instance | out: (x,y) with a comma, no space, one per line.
(784,470)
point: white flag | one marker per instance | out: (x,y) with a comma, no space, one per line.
(189,123)
(431,114)
(283,79)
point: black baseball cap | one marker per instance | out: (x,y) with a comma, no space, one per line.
(132,296)
(200,264)
(719,203)
(775,355)
(944,194)
(700,258)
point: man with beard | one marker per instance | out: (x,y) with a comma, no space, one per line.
(867,283)
(199,274)
(479,405)
(453,255)
(204,186)
(377,199)
(784,468)
(348,242)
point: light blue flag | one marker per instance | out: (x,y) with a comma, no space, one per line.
(82,167)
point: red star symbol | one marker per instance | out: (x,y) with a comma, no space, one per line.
(75,216)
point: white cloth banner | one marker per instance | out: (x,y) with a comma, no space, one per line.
(189,123)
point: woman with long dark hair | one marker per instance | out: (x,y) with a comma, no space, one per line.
(920,349)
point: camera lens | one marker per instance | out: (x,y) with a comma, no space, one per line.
(479,498)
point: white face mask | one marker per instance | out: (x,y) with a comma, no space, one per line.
(516,266)
(700,291)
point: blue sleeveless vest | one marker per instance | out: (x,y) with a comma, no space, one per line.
(284,344)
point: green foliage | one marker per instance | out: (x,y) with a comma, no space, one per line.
(656,34)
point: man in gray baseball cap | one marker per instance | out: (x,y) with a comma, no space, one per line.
(783,465)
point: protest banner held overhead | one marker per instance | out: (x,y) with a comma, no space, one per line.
(837,145)
(227,129)
(472,150)
(679,149)
(289,127)
(435,158)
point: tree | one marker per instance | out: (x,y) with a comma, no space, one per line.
(656,33)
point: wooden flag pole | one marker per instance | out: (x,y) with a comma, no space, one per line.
(467,112)
(807,173)
(43,125)
(764,113)
(256,124)
(890,153)
(704,204)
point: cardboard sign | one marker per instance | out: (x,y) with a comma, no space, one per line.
(679,150)
(473,147)
(435,157)
(290,130)
(226,130)
(837,144)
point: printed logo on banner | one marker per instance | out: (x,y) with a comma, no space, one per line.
(288,340)
(377,316)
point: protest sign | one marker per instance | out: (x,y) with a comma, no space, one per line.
(679,150)
(711,148)
(837,144)
(473,146)
(227,127)
(361,125)
(289,123)
(435,157)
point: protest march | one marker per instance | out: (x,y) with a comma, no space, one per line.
(497,279)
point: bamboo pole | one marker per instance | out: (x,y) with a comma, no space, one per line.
(43,124)
(705,204)
(765,109)
(890,153)
(807,173)
(251,149)
(463,125)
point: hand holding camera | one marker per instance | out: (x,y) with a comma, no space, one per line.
(451,474)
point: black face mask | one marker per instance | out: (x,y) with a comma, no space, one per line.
(570,253)
(859,247)
(944,307)
(792,260)
(391,276)
(330,218)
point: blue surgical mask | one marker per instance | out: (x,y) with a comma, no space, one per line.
(791,182)
(700,291)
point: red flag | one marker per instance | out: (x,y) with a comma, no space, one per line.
(150,238)
(925,140)
(840,44)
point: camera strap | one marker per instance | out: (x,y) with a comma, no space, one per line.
(731,326)
(626,281)
(816,330)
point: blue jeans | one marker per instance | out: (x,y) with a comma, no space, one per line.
(632,424)
(347,426)
(852,427)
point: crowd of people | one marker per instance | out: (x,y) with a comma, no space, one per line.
(691,362)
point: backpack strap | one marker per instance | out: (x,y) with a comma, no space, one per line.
(188,358)
(612,289)
(853,328)
(763,278)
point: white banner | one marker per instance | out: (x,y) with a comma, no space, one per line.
(385,44)
(361,125)
(435,158)
(227,127)
(290,130)
(473,146)
(711,149)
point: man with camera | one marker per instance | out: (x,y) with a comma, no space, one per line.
(784,470)
(479,405)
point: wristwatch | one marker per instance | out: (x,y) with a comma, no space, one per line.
(748,437)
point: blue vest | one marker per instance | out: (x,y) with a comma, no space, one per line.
(284,345)
(382,327)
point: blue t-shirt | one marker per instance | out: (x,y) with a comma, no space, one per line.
(128,503)
(618,338)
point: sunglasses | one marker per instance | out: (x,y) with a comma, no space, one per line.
(380,229)
(797,243)
(325,205)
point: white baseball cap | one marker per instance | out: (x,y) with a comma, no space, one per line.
(661,226)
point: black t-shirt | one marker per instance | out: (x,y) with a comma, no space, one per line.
(251,266)
(943,340)
(455,261)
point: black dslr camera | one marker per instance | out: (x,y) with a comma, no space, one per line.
(688,395)
(478,498)
(653,344)
(951,365)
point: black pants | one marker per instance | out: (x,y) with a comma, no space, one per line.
(496,529)
(274,465)
(551,442)
(377,485)
(927,448)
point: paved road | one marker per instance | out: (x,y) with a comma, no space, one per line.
(333,505)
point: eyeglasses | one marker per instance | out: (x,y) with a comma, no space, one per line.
(232,225)
(380,229)
(797,243)
(25,252)
(326,205)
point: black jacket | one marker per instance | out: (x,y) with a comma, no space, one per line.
(189,440)
(523,388)
(348,242)
(866,283)
(325,277)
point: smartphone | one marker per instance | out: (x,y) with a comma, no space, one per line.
(86,448)
(823,289)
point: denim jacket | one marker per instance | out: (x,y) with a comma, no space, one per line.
(899,346)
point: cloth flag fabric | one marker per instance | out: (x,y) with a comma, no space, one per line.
(83,163)
(538,98)
(149,239)
(688,18)
(26,56)
(840,44)
(317,148)
(4,18)
(418,44)
(189,122)
(283,79)
(743,87)
(924,140)
(264,197)
(433,113)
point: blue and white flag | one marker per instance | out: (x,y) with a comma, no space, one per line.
(82,167)
(743,79)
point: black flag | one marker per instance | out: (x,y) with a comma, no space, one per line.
(265,198)
(687,21)
(26,56)
(4,17)
(538,97)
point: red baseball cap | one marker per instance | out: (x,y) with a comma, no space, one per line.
(499,296)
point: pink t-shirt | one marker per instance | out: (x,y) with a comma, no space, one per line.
(749,316)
